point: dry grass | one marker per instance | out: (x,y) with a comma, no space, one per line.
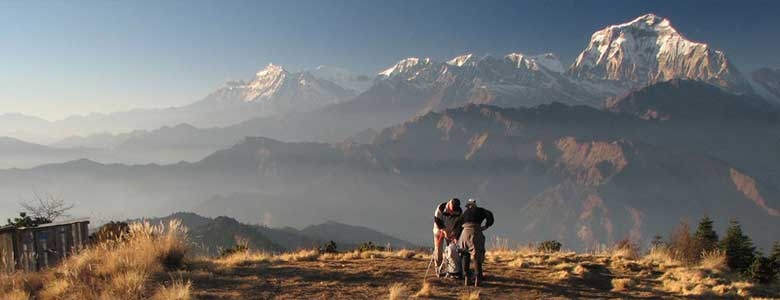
(425,291)
(302,255)
(714,261)
(177,291)
(623,284)
(15,295)
(661,258)
(519,263)
(373,254)
(241,258)
(398,291)
(698,282)
(470,296)
(110,270)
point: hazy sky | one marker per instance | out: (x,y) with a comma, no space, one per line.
(65,57)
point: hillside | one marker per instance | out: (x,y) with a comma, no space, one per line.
(155,262)
(210,235)
(582,175)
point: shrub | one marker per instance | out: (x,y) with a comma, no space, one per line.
(329,247)
(684,247)
(369,246)
(739,248)
(110,232)
(24,220)
(713,260)
(235,249)
(549,246)
(657,242)
(626,249)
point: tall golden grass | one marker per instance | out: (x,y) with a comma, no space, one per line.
(127,268)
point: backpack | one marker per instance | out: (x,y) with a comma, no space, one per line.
(451,261)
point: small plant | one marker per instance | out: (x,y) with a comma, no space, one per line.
(242,245)
(398,291)
(549,246)
(657,242)
(329,247)
(627,249)
(369,246)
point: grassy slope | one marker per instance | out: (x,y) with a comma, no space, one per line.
(512,275)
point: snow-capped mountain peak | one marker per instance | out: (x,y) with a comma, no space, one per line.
(647,50)
(649,22)
(462,60)
(267,81)
(271,70)
(518,59)
(406,65)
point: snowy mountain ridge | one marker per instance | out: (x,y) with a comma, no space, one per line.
(647,50)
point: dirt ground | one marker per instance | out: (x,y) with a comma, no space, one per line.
(371,278)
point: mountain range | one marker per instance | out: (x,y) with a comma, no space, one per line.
(328,104)
(575,173)
(643,121)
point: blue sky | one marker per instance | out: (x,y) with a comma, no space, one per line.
(65,57)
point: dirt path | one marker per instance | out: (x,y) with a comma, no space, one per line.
(370,279)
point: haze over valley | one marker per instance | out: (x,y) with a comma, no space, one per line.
(644,127)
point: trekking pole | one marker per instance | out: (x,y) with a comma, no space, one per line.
(429,266)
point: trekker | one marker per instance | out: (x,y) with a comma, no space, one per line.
(446,227)
(472,239)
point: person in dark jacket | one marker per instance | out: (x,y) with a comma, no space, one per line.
(472,239)
(446,226)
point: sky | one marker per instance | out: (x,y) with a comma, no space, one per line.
(75,57)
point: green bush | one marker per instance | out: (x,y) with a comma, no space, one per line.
(549,246)
(369,246)
(329,247)
(240,247)
(24,220)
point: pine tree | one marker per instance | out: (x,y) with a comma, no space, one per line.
(739,248)
(706,235)
(774,258)
(760,270)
